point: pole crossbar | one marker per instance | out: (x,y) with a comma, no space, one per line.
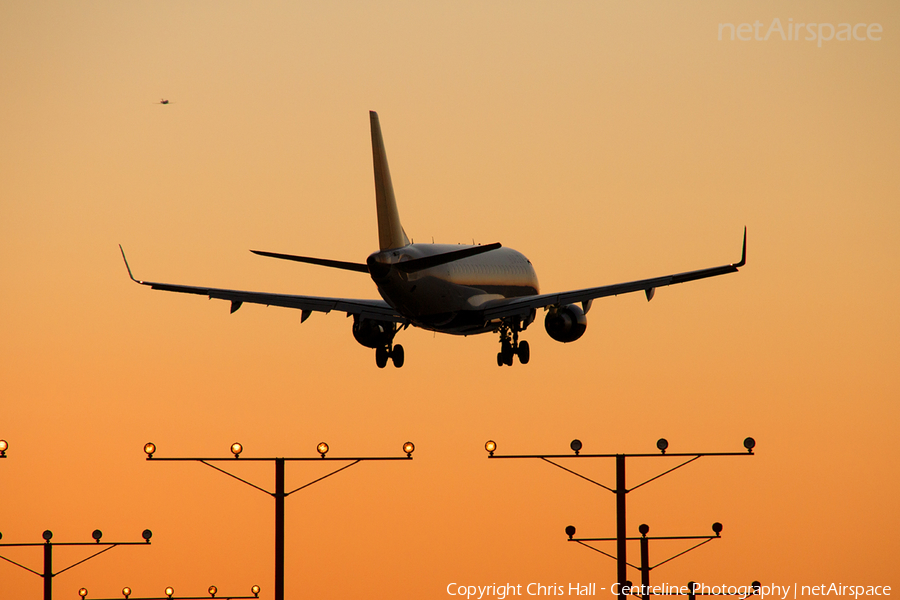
(644,455)
(694,547)
(323,477)
(665,472)
(111,546)
(286,459)
(17,564)
(253,485)
(578,474)
(603,553)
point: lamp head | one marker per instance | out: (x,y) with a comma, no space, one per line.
(409,448)
(662,444)
(126,591)
(3,446)
(47,535)
(570,531)
(149,449)
(97,534)
(255,590)
(691,587)
(322,449)
(169,591)
(575,445)
(755,585)
(717,528)
(644,529)
(749,444)
(236,449)
(490,446)
(83,592)
(147,534)
(212,591)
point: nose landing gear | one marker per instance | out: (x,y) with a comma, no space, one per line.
(510,346)
(390,351)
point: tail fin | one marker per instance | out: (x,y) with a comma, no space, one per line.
(390,231)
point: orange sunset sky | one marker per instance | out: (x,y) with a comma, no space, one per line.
(607,141)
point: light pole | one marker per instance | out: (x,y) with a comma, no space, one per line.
(621,490)
(280,494)
(645,567)
(48,573)
(170,595)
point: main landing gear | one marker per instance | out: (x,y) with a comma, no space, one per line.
(510,346)
(383,353)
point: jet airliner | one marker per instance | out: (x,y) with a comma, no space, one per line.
(454,289)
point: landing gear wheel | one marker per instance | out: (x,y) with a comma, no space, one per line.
(499,359)
(524,352)
(397,356)
(381,357)
(507,355)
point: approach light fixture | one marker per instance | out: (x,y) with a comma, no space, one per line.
(212,591)
(169,591)
(3,446)
(149,449)
(662,444)
(322,449)
(490,446)
(236,449)
(570,531)
(409,448)
(749,444)
(255,590)
(575,446)
(126,591)
(47,535)
(644,529)
(82,592)
(147,534)
(97,534)
(717,528)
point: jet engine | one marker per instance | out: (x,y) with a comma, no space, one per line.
(565,323)
(371,333)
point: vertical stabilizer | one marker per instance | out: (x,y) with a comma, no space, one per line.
(390,232)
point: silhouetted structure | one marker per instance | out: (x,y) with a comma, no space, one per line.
(47,574)
(621,490)
(280,494)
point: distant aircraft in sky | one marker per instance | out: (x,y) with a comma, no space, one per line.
(456,289)
(163,101)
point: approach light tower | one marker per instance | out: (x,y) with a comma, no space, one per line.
(280,494)
(47,575)
(621,490)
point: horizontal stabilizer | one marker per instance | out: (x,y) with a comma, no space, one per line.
(334,264)
(426,262)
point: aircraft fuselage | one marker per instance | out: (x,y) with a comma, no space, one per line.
(450,298)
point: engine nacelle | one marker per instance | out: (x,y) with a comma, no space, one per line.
(371,333)
(565,324)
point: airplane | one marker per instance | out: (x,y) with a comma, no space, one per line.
(445,288)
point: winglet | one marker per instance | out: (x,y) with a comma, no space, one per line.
(743,251)
(126,265)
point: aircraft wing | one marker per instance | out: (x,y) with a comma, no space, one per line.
(525,304)
(370,309)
